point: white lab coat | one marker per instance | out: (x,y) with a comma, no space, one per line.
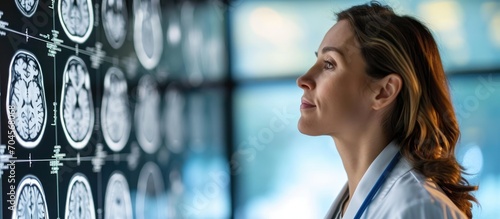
(406,194)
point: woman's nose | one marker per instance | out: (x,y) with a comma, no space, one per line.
(305,82)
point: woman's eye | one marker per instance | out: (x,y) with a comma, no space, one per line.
(329,65)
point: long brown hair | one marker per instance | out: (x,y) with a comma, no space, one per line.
(422,121)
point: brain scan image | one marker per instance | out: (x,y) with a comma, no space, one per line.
(118,204)
(115,113)
(26,93)
(77,19)
(79,200)
(173,120)
(148,37)
(115,21)
(150,199)
(27,7)
(30,199)
(77,110)
(147,116)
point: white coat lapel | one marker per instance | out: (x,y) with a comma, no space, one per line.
(337,203)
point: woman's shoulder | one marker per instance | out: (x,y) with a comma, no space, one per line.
(411,195)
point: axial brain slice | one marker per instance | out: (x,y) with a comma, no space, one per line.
(147,29)
(147,115)
(79,201)
(114,18)
(31,204)
(116,118)
(27,7)
(148,37)
(26,94)
(76,17)
(30,199)
(76,103)
(118,203)
(150,189)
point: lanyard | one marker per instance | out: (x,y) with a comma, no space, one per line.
(377,185)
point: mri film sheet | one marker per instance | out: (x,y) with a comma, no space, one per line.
(97,113)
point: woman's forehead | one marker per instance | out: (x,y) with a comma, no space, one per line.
(339,36)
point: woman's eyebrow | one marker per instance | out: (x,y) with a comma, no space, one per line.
(330,49)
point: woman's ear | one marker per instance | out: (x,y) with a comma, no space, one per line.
(386,90)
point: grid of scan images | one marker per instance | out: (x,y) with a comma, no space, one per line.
(113,109)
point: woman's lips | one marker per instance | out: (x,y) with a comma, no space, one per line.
(306,104)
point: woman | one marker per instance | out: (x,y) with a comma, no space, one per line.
(379,89)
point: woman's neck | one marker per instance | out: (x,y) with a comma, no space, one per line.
(357,154)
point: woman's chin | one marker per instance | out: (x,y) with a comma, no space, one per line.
(307,130)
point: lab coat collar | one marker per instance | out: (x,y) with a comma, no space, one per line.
(369,178)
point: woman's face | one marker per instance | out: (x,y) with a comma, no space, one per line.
(335,88)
